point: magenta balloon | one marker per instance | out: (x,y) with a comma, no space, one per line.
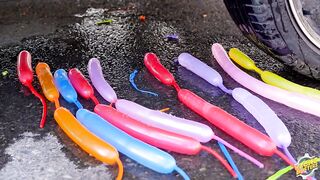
(195,130)
(98,81)
(293,100)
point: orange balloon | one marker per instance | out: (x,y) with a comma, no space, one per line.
(90,143)
(46,81)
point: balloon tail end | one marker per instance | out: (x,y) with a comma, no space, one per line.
(182,173)
(120,170)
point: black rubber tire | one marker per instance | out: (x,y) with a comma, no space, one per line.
(267,23)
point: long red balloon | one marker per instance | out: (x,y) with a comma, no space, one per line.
(258,142)
(254,139)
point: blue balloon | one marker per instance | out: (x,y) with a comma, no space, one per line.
(135,149)
(65,87)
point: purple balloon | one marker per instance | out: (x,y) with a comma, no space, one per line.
(98,81)
(201,69)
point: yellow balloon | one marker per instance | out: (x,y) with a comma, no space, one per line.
(269,77)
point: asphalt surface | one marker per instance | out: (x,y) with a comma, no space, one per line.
(64,35)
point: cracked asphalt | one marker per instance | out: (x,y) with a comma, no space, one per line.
(64,35)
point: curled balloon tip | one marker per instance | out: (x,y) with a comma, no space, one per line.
(183,174)
(120,169)
(44,104)
(133,84)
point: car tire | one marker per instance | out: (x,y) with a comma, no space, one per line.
(271,26)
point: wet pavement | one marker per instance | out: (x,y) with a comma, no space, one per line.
(65,36)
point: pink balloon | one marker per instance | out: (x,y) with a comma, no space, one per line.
(193,129)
